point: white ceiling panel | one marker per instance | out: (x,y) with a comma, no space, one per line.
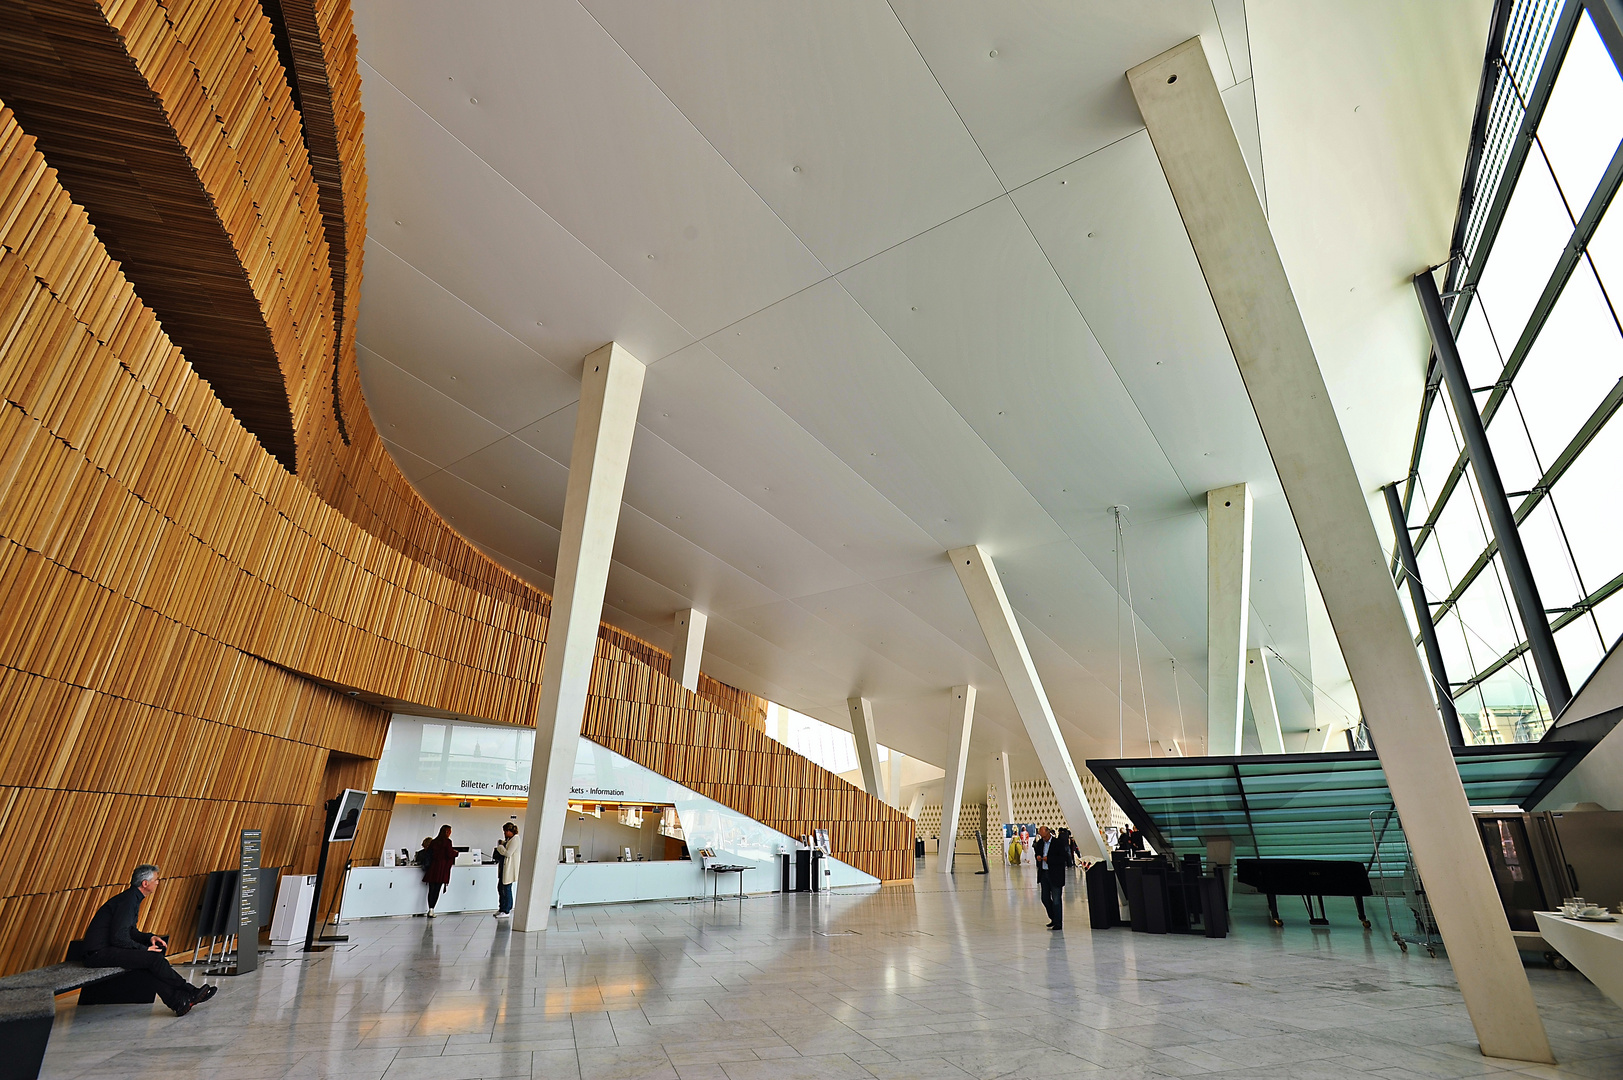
(867,614)
(1112,231)
(786,93)
(412,467)
(709,412)
(685,498)
(700,578)
(797,627)
(937,598)
(487,520)
(831,369)
(1042,84)
(417,417)
(437,205)
(603,152)
(976,306)
(518,474)
(432,334)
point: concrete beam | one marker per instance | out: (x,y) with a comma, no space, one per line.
(1259,688)
(689,648)
(960,722)
(1005,793)
(610,393)
(867,746)
(991,605)
(1228,608)
(1201,158)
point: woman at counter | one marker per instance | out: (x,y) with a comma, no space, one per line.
(441,857)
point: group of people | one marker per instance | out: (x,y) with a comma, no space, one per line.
(438,855)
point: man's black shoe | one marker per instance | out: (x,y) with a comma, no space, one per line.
(183,1008)
(204,994)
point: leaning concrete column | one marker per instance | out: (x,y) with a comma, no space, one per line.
(610,391)
(1207,174)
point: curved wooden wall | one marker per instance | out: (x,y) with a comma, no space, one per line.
(183,620)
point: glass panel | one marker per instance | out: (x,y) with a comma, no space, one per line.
(1456,655)
(1438,453)
(1609,614)
(1577,358)
(1482,354)
(1478,730)
(1583,121)
(1590,498)
(1606,250)
(1460,528)
(1513,705)
(1580,647)
(1490,627)
(1519,467)
(1434,577)
(1557,578)
(1535,229)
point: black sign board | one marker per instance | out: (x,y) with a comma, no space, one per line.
(248,903)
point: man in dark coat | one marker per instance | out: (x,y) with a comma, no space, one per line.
(113,940)
(1052,859)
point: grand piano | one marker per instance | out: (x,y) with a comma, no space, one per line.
(1307,878)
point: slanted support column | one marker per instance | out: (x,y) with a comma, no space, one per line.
(1228,607)
(960,721)
(1523,589)
(867,746)
(610,391)
(689,648)
(1201,158)
(1005,794)
(1422,617)
(1259,688)
(991,605)
(916,805)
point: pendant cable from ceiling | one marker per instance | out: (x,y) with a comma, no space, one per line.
(1127,571)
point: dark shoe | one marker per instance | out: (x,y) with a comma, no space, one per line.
(204,994)
(1049,925)
(183,1008)
(1056,927)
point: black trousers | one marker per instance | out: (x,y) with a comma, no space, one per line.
(173,989)
(1054,901)
(434,888)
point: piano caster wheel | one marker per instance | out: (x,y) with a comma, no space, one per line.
(1557,961)
(1431,952)
(1366,923)
(1404,945)
(1277,922)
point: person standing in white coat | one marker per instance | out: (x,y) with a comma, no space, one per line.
(506,870)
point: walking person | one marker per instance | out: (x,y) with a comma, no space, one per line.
(113,940)
(1051,858)
(506,870)
(441,857)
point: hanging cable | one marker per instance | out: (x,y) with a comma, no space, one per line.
(1138,659)
(1121,704)
(1179,695)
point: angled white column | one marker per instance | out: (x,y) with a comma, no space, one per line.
(916,805)
(1005,794)
(689,648)
(867,746)
(774,709)
(1228,605)
(960,721)
(610,391)
(893,774)
(1259,688)
(991,605)
(1201,158)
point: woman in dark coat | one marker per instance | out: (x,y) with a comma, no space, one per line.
(441,857)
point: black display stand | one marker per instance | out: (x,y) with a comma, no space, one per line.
(980,842)
(310,937)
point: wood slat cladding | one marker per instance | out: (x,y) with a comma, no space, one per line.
(647,716)
(750,708)
(66,74)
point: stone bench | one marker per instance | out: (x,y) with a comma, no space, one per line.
(28,1007)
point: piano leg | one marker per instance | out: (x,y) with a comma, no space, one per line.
(1323,919)
(1273,910)
(1359,900)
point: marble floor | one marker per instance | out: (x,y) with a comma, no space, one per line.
(936,981)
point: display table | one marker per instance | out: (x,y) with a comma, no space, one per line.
(726,868)
(1594,948)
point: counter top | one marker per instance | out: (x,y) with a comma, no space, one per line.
(1594,948)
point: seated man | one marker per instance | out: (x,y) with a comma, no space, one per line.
(112,940)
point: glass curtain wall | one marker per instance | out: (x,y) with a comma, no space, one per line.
(1533,295)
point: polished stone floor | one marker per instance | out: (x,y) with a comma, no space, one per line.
(946,981)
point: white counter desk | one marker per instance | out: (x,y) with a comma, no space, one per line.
(1594,948)
(372,891)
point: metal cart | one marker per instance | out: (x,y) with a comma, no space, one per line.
(1392,872)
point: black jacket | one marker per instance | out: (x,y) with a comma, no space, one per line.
(113,926)
(1058,857)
